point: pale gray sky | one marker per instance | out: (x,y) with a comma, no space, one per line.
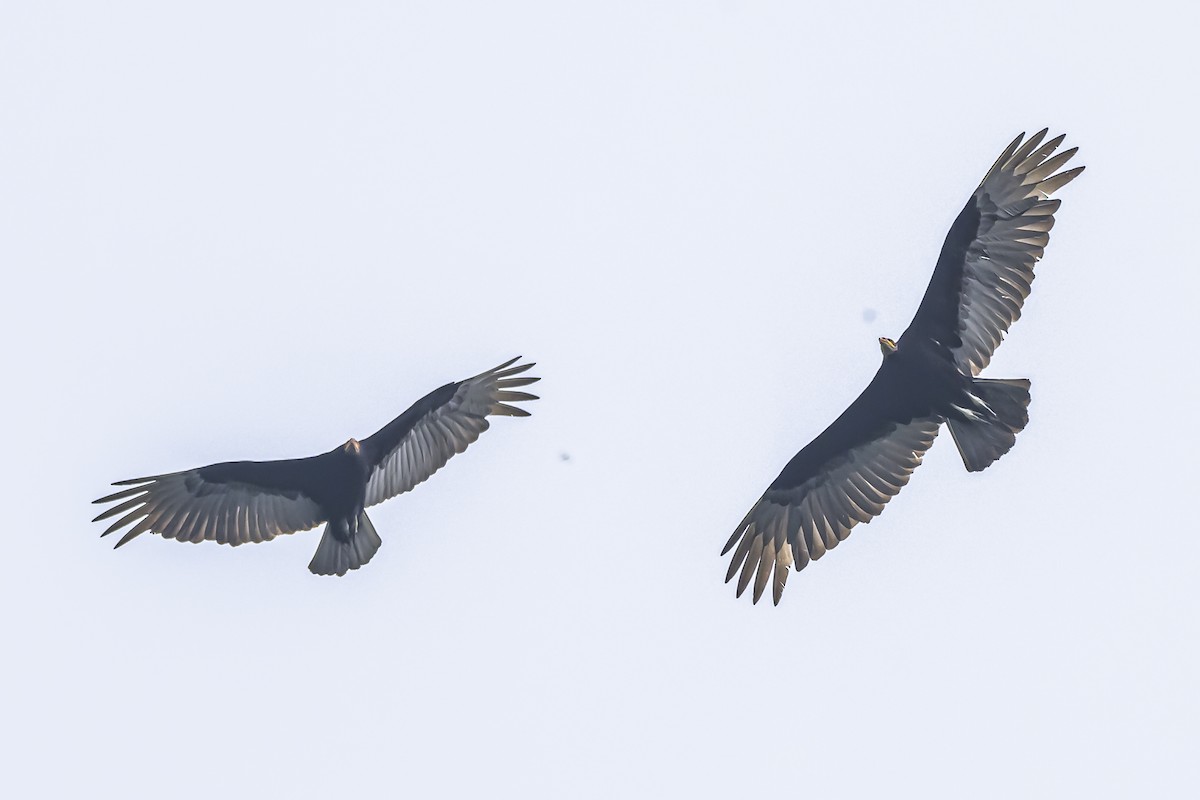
(252,230)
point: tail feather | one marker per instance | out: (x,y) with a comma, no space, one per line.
(1001,413)
(337,556)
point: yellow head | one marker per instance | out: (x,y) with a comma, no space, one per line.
(887,346)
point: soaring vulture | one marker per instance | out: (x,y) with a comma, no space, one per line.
(982,277)
(254,501)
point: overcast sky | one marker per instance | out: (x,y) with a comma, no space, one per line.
(251,230)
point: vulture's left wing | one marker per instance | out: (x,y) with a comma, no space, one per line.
(420,441)
(985,269)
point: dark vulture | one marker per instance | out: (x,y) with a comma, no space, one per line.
(255,501)
(982,277)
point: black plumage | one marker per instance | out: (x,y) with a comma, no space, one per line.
(850,471)
(255,501)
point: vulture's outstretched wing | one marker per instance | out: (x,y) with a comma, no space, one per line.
(843,477)
(420,441)
(231,503)
(985,269)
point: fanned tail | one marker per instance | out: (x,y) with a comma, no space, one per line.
(341,551)
(990,427)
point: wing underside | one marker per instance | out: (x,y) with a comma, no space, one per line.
(789,527)
(986,267)
(187,507)
(415,446)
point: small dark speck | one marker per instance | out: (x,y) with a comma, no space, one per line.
(564,456)
(869,315)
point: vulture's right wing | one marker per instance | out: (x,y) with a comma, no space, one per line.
(231,503)
(841,478)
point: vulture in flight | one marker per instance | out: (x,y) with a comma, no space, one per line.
(929,376)
(254,501)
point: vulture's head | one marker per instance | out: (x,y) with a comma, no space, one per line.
(887,346)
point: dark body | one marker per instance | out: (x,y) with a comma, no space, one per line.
(917,381)
(336,481)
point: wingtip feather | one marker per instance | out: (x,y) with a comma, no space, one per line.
(147,479)
(508,363)
(515,397)
(1056,182)
(504,410)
